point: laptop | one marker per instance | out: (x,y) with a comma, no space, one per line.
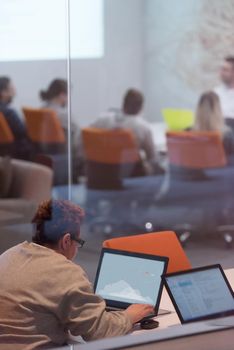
(178,119)
(200,294)
(124,278)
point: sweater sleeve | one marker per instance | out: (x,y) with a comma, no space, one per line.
(83,313)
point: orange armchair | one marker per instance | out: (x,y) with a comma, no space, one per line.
(156,243)
(6,137)
(110,156)
(196,149)
(45,130)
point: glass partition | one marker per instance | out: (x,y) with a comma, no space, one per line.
(122,106)
(33,116)
(126,108)
(147,162)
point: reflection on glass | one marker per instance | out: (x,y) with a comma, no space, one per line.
(151,138)
(33,143)
(187,163)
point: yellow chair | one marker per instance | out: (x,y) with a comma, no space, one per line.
(178,119)
(156,243)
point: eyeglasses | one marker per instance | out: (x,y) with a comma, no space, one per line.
(80,242)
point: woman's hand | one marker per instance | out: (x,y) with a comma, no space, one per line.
(138,311)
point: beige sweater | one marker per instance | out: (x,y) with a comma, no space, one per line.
(44,295)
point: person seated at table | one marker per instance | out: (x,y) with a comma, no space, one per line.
(44,295)
(225,90)
(130,117)
(55,97)
(22,147)
(209,117)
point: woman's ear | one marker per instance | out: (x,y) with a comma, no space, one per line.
(65,241)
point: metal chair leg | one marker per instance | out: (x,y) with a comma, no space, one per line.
(227,232)
(185,232)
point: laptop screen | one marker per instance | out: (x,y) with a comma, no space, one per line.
(128,278)
(200,293)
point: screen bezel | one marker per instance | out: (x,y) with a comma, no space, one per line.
(120,304)
(200,318)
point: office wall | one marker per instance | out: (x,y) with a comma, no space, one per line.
(100,84)
(170,50)
(185,42)
(96,83)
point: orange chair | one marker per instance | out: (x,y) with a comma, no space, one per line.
(45,130)
(110,155)
(196,149)
(156,243)
(6,137)
(190,154)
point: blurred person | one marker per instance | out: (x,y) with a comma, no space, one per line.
(209,117)
(225,91)
(44,295)
(22,146)
(130,117)
(55,97)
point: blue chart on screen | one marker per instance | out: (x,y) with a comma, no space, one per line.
(129,279)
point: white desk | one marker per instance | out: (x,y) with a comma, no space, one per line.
(163,331)
(165,321)
(197,335)
(172,319)
(178,332)
(159,136)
